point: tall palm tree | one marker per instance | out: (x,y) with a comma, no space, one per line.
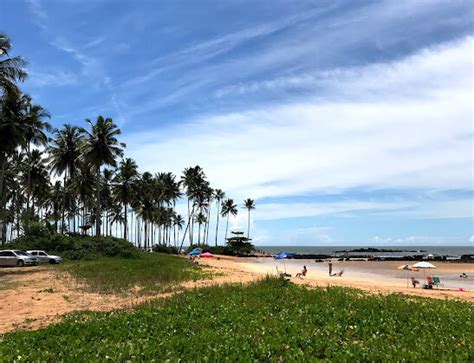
(219,195)
(122,187)
(249,204)
(228,208)
(13,130)
(101,148)
(194,180)
(178,223)
(64,156)
(200,219)
(12,69)
(35,179)
(34,134)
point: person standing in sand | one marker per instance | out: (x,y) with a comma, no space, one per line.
(330,268)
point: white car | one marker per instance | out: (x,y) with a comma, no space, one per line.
(44,257)
(16,258)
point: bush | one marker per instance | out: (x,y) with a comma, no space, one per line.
(216,250)
(229,250)
(74,247)
(170,250)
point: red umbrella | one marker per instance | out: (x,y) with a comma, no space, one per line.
(207,255)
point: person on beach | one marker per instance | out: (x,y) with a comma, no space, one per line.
(330,268)
(302,273)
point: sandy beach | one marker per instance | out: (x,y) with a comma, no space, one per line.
(376,276)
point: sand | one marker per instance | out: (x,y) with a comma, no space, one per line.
(31,298)
(371,276)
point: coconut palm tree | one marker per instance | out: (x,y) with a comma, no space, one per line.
(195,183)
(122,187)
(12,69)
(249,204)
(200,219)
(219,195)
(228,208)
(178,223)
(12,136)
(64,157)
(101,148)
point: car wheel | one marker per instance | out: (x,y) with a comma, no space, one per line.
(20,263)
(52,262)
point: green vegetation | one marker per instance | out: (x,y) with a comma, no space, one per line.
(74,247)
(269,321)
(147,273)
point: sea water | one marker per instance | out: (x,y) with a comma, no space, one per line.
(455,251)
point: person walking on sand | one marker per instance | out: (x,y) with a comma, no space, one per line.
(330,268)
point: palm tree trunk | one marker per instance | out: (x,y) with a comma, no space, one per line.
(186,230)
(125,223)
(227,226)
(248,225)
(199,234)
(217,223)
(97,205)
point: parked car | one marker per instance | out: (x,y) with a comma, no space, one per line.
(17,258)
(44,257)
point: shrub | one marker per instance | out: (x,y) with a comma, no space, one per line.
(75,247)
(171,250)
(229,250)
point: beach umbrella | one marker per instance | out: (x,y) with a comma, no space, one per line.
(207,255)
(407,268)
(424,265)
(283,256)
(195,252)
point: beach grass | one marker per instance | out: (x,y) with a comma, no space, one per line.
(147,273)
(271,320)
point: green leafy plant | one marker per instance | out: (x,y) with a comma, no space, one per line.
(266,321)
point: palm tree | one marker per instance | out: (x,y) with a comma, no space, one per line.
(249,204)
(178,223)
(64,156)
(194,180)
(13,131)
(200,219)
(34,134)
(228,208)
(35,179)
(101,148)
(219,195)
(122,188)
(12,70)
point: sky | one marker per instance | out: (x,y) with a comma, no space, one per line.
(348,122)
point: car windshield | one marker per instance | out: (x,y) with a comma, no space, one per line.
(21,253)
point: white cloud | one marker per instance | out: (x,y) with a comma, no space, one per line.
(387,141)
(471,239)
(379,79)
(272,211)
(53,79)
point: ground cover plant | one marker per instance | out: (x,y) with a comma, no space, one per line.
(146,273)
(269,321)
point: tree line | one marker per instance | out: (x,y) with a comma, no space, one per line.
(77,180)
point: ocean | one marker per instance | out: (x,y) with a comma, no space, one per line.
(454,251)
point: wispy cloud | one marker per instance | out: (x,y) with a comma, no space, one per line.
(316,145)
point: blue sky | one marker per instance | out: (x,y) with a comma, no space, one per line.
(349,122)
